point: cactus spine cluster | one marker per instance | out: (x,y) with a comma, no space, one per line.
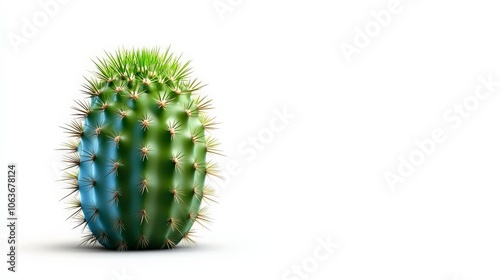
(137,155)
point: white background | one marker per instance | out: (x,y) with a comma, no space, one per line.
(321,177)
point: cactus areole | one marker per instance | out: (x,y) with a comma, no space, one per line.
(138,152)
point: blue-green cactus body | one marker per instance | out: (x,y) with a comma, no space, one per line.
(141,152)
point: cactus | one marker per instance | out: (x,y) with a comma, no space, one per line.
(137,155)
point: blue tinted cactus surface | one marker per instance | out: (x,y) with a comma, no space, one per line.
(137,154)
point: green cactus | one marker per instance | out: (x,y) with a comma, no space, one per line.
(137,155)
